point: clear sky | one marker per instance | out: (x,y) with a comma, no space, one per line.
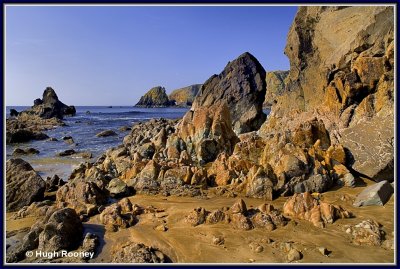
(111,55)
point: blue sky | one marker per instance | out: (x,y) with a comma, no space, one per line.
(112,55)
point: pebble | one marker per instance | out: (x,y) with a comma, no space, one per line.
(218,240)
(323,251)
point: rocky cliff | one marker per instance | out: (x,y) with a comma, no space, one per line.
(342,72)
(275,86)
(155,97)
(184,96)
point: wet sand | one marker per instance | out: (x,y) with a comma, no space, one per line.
(183,243)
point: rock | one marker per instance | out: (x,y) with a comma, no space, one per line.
(13,113)
(323,251)
(67,152)
(241,222)
(106,133)
(63,230)
(305,206)
(377,194)
(83,195)
(137,253)
(275,86)
(147,150)
(256,248)
(50,106)
(36,209)
(218,240)
(23,185)
(124,128)
(367,232)
(155,97)
(118,188)
(197,216)
(294,255)
(19,151)
(239,207)
(207,132)
(114,217)
(372,148)
(215,217)
(54,183)
(240,86)
(184,97)
(22,135)
(90,243)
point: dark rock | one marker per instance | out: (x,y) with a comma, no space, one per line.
(155,97)
(106,133)
(54,183)
(241,86)
(377,194)
(13,113)
(23,185)
(63,230)
(23,135)
(67,152)
(19,151)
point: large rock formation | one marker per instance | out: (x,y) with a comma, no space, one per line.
(184,97)
(155,97)
(50,107)
(275,86)
(23,185)
(343,75)
(46,113)
(241,86)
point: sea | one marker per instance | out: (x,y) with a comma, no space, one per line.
(83,127)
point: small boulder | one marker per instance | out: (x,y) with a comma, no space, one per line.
(377,194)
(106,133)
(67,152)
(118,188)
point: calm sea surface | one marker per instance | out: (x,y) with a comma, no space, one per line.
(83,127)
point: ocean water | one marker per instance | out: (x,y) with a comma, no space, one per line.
(83,128)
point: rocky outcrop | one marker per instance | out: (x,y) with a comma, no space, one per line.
(275,86)
(155,97)
(184,97)
(241,87)
(305,206)
(137,253)
(50,107)
(23,185)
(344,75)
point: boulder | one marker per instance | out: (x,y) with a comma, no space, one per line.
(118,216)
(62,231)
(19,151)
(23,135)
(367,232)
(137,253)
(83,195)
(305,206)
(67,152)
(377,194)
(106,133)
(23,185)
(118,188)
(54,183)
(155,97)
(240,86)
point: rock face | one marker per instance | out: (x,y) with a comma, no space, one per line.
(184,97)
(23,185)
(240,86)
(344,76)
(275,86)
(50,107)
(155,97)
